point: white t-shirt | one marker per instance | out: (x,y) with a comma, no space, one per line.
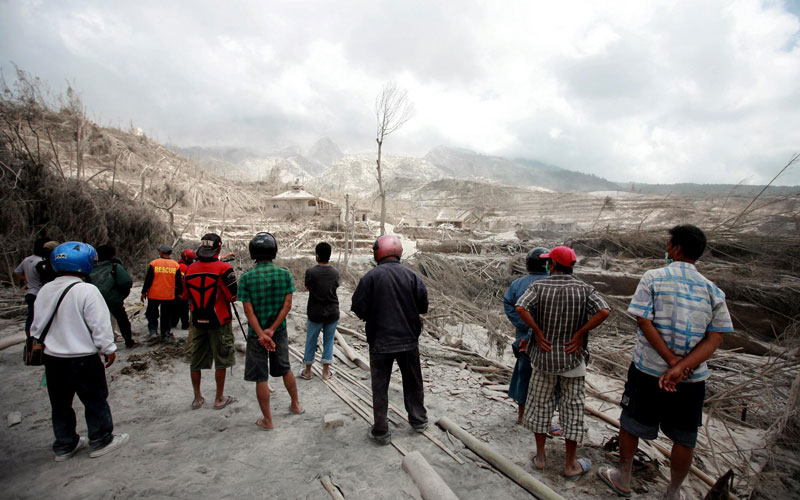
(28,268)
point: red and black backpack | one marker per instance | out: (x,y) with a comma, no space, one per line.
(204,282)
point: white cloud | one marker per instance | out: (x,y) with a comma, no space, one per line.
(644,91)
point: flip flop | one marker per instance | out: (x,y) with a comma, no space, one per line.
(585,464)
(533,461)
(228,400)
(196,405)
(604,474)
(302,410)
(261,426)
(327,377)
(554,431)
(303,375)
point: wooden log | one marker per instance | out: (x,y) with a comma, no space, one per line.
(331,488)
(350,353)
(471,353)
(497,387)
(504,465)
(12,340)
(483,369)
(353,333)
(344,359)
(431,486)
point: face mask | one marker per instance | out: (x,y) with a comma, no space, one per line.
(666,258)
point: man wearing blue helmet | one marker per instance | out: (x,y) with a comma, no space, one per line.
(72,320)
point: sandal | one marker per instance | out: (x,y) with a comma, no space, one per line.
(585,464)
(228,400)
(258,423)
(604,473)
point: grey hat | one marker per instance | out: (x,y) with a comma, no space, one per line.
(165,249)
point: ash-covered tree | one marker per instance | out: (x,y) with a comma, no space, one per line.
(392,110)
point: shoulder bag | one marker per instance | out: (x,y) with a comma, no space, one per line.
(33,354)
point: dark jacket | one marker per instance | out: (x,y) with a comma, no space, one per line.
(390,299)
(113,280)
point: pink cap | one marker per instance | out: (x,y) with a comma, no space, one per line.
(561,255)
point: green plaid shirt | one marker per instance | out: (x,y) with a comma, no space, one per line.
(265,286)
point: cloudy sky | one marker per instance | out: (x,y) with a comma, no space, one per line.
(656,91)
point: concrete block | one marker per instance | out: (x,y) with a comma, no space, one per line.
(332,421)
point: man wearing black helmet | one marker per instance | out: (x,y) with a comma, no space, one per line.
(390,298)
(537,269)
(266,293)
(210,289)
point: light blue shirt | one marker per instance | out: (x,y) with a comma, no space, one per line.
(683,305)
(513,294)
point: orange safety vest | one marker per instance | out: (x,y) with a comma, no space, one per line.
(163,287)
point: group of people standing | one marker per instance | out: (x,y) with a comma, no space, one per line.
(681,318)
(390,298)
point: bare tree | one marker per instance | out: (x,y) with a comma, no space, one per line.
(392,109)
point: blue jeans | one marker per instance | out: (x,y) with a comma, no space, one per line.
(312,334)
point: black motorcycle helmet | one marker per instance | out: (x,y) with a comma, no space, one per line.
(534,263)
(263,247)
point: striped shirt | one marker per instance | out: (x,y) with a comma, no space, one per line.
(561,304)
(683,305)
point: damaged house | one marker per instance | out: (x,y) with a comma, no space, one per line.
(298,202)
(457,218)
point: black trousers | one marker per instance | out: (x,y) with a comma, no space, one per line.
(380,367)
(152,315)
(29,300)
(180,313)
(118,311)
(86,377)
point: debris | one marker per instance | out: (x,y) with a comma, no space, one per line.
(14,418)
(452,341)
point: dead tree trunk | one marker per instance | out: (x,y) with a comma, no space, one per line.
(381,190)
(392,110)
(346,230)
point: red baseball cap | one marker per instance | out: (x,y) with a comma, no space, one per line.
(561,255)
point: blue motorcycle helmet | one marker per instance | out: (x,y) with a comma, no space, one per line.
(73,257)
